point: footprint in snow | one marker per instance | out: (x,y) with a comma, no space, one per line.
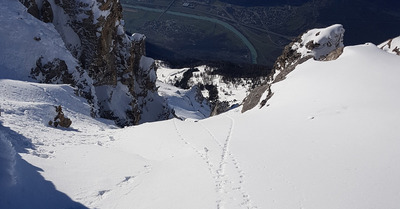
(127,178)
(102,192)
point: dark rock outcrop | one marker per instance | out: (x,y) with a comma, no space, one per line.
(32,7)
(220,107)
(97,43)
(46,12)
(55,71)
(60,119)
(253,99)
(334,54)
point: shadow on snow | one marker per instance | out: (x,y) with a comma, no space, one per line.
(21,185)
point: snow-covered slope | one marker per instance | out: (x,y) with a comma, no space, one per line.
(333,140)
(328,138)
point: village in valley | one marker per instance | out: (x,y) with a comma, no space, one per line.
(259,17)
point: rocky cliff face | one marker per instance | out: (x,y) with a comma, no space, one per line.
(321,44)
(93,32)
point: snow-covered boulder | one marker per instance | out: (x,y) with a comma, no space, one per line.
(391,45)
(319,42)
(315,43)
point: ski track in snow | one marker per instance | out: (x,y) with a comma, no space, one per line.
(228,186)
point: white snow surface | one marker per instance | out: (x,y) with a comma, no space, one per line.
(329,138)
